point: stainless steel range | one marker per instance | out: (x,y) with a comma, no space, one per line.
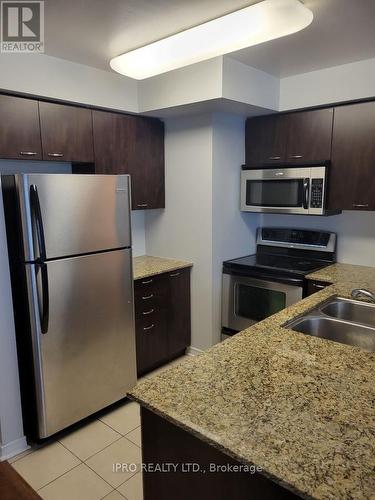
(259,285)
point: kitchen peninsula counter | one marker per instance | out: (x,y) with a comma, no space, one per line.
(299,407)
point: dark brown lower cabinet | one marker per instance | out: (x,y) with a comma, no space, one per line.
(164,443)
(162,318)
(314,286)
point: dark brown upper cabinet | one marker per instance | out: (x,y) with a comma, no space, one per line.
(266,138)
(66,133)
(114,139)
(309,136)
(148,172)
(19,128)
(352,175)
(299,137)
(126,144)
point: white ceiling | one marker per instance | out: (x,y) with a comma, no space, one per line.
(91,32)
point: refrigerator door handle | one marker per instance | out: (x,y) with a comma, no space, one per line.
(44,316)
(36,214)
(40,261)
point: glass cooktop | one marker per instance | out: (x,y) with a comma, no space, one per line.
(278,262)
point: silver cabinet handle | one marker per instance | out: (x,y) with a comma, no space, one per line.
(147,328)
(56,155)
(174,274)
(274,157)
(296,156)
(147,282)
(359,205)
(146,313)
(146,297)
(142,205)
(319,287)
(28,153)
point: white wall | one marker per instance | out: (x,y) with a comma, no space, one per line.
(138,233)
(191,84)
(11,431)
(202,221)
(184,229)
(55,78)
(233,231)
(330,85)
(355,232)
(248,85)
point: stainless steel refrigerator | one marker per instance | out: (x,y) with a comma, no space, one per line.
(69,243)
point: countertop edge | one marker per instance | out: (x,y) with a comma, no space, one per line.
(211,442)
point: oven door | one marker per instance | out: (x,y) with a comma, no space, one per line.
(284,190)
(249,300)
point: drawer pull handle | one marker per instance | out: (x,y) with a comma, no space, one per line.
(295,157)
(145,313)
(146,297)
(147,328)
(56,155)
(359,205)
(142,205)
(27,153)
(174,274)
(274,158)
(147,282)
(319,287)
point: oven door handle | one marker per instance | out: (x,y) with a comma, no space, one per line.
(306,192)
(266,277)
(279,279)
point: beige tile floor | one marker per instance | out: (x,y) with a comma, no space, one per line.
(79,466)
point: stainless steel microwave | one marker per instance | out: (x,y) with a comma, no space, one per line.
(288,190)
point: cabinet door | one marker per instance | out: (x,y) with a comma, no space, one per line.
(114,140)
(126,144)
(66,132)
(179,314)
(266,138)
(19,128)
(352,175)
(309,136)
(148,171)
(151,340)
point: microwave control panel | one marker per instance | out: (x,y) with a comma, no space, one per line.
(316,193)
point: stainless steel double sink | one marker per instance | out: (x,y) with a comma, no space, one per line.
(341,320)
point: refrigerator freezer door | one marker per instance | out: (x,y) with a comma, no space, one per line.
(86,359)
(79,213)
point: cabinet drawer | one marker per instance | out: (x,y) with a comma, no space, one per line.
(152,342)
(150,293)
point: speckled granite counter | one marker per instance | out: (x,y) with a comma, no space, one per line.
(346,274)
(146,265)
(300,407)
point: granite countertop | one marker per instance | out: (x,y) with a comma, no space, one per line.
(146,265)
(346,274)
(300,407)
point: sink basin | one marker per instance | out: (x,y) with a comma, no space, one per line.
(350,310)
(336,330)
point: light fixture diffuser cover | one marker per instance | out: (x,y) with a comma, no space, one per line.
(252,25)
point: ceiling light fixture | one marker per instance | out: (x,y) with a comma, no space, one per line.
(252,25)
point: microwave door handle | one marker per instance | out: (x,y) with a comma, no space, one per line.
(306,192)
(40,261)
